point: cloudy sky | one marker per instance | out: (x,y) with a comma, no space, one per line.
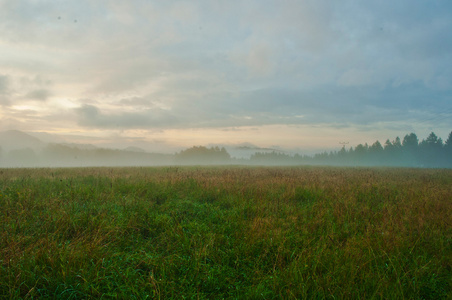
(294,74)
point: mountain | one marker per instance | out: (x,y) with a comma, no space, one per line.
(20,149)
(47,137)
(15,139)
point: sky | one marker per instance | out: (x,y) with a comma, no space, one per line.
(282,73)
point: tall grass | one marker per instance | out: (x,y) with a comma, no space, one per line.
(231,232)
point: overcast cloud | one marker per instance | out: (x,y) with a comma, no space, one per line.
(138,67)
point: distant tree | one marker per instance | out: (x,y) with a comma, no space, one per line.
(360,153)
(448,150)
(433,141)
(376,153)
(321,158)
(376,147)
(448,143)
(361,148)
(410,141)
(224,155)
(273,158)
(396,143)
(202,155)
(388,145)
(390,153)
(431,154)
(410,147)
(342,156)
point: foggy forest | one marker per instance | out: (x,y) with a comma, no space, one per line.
(430,152)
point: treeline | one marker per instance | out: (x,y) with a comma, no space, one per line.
(431,152)
(200,155)
(409,152)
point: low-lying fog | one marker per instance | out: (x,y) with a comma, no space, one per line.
(19,149)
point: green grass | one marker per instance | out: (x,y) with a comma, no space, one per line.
(246,233)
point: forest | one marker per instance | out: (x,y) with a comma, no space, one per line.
(430,152)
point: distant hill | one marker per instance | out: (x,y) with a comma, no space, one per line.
(15,139)
(20,149)
(47,137)
(80,146)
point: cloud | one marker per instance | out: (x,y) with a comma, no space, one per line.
(40,95)
(3,84)
(4,89)
(18,90)
(91,116)
(334,106)
(145,64)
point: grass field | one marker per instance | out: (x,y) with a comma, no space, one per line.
(226,232)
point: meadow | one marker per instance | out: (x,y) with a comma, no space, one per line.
(226,232)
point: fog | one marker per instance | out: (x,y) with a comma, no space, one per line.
(19,149)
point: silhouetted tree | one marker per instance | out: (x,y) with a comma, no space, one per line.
(360,153)
(376,147)
(376,153)
(203,156)
(272,158)
(433,141)
(390,152)
(388,145)
(410,141)
(342,156)
(448,142)
(396,143)
(431,151)
(448,150)
(410,146)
